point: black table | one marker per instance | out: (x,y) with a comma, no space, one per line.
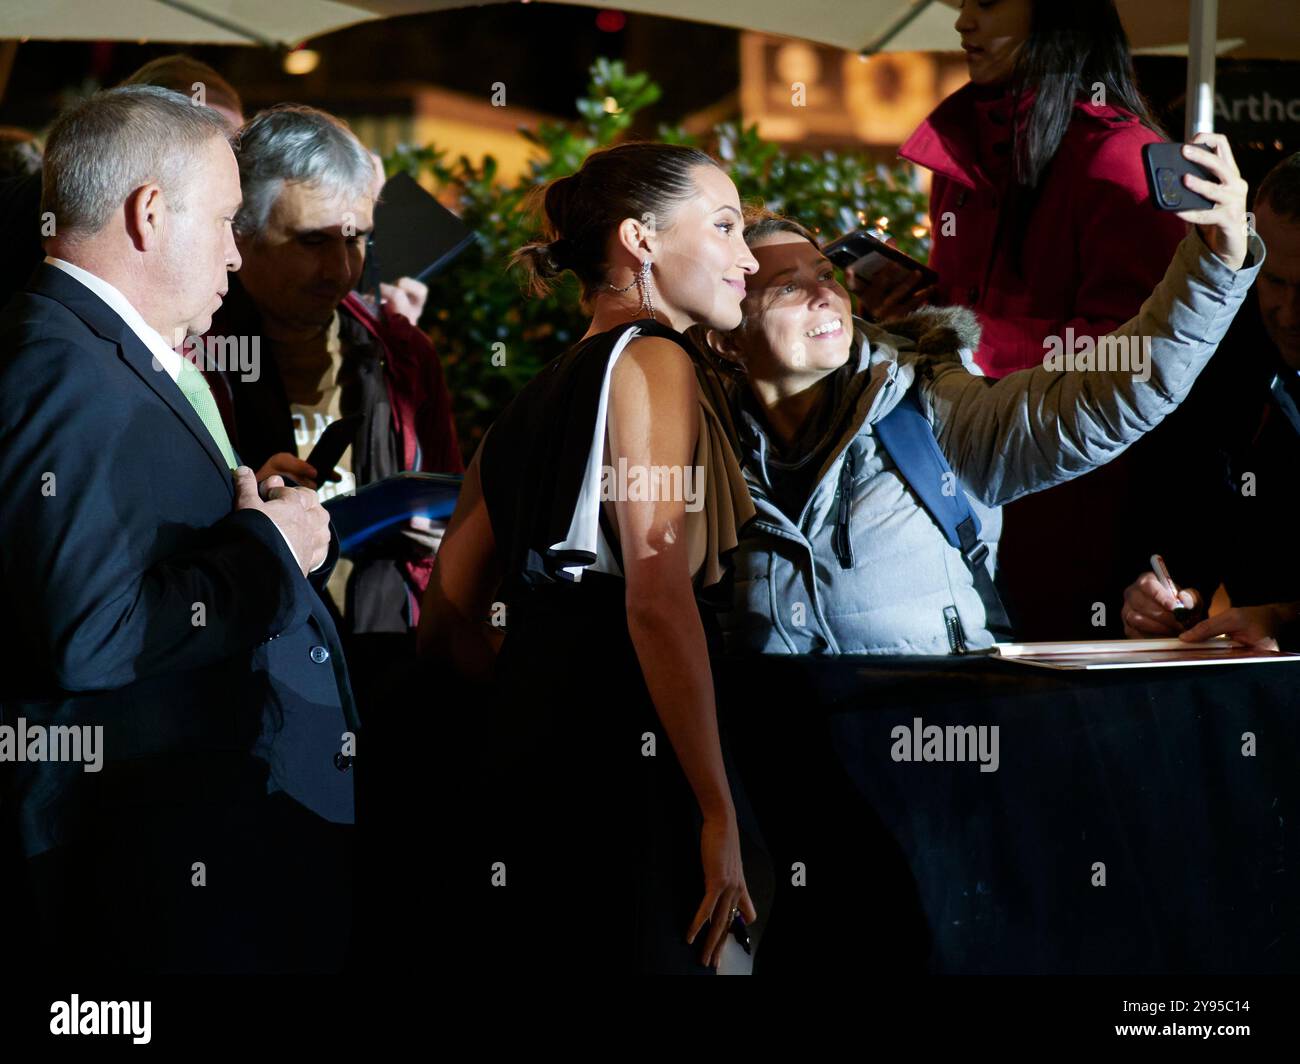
(937,866)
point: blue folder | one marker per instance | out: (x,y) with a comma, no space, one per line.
(377,509)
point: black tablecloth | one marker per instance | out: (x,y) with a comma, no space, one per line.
(938,866)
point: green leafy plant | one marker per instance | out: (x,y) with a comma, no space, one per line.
(492,338)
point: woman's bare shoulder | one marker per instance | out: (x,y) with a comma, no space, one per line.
(658,362)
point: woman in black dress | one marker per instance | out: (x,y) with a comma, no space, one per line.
(592,530)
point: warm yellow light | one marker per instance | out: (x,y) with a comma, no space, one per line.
(301,61)
(919,231)
(611,106)
(882,222)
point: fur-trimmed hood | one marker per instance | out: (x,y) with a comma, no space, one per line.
(937,330)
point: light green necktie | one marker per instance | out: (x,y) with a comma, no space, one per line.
(196,390)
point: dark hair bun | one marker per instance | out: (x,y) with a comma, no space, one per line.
(628,180)
(561,252)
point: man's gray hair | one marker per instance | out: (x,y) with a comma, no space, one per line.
(292,142)
(102,149)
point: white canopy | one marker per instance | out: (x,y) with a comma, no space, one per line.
(1250,28)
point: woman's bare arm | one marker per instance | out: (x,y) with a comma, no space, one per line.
(457,604)
(653,422)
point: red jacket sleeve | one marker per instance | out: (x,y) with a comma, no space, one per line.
(425,388)
(435,425)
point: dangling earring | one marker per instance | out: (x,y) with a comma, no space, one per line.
(642,282)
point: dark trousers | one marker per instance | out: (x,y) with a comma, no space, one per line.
(188,865)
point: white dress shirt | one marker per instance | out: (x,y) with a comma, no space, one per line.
(164,358)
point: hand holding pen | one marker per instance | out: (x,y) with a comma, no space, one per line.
(1154,606)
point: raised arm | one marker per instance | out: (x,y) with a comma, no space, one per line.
(1042,426)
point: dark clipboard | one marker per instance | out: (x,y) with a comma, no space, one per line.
(414,235)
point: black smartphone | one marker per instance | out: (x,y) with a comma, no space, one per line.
(866,254)
(337,438)
(1165,166)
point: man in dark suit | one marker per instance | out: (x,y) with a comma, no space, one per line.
(154,590)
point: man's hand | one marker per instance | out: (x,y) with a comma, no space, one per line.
(1222,227)
(406,298)
(289,465)
(1148,608)
(1251,626)
(296,512)
(891,292)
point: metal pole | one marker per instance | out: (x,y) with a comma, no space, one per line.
(224,23)
(1202,34)
(892,30)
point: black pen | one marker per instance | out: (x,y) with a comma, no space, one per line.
(1182,614)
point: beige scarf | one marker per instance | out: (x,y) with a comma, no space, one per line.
(727,505)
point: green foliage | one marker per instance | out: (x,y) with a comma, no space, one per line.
(477,304)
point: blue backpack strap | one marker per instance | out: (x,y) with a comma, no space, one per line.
(907,435)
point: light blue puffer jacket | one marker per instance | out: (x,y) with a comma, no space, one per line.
(900,587)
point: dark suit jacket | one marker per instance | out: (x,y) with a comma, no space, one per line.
(135,597)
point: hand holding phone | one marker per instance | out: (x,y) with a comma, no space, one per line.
(291,470)
(1166,167)
(1223,224)
(888,292)
(337,438)
(887,282)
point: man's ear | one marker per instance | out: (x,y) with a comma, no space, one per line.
(146,208)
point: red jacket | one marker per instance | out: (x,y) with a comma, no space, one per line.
(421,404)
(422,415)
(1095,247)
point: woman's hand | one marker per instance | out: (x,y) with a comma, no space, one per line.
(890,292)
(724,885)
(1251,626)
(1222,227)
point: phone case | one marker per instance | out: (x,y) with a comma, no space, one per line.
(1165,167)
(853,247)
(329,449)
